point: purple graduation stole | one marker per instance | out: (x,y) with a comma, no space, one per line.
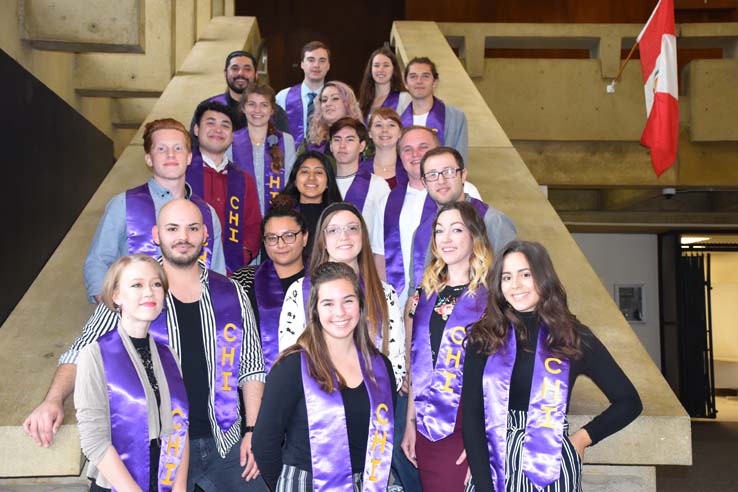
(391,101)
(234,213)
(436,117)
(243,156)
(544,429)
(437,391)
(129,422)
(293,108)
(220,98)
(229,334)
(400,173)
(322,147)
(329,446)
(479,205)
(421,240)
(359,189)
(269,300)
(141,218)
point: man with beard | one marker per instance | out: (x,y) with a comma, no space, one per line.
(125,226)
(240,72)
(209,323)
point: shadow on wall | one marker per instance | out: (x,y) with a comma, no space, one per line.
(53,160)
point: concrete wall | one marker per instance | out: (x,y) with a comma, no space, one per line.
(724,270)
(105,58)
(570,131)
(629,259)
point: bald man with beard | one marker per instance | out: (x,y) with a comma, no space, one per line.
(209,324)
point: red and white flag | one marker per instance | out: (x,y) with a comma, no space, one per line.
(657,45)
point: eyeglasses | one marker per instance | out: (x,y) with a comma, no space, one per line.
(288,237)
(335,231)
(448,173)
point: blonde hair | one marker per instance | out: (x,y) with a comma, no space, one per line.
(480,261)
(318,130)
(111,282)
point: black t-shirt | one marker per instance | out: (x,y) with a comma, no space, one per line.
(194,367)
(283,414)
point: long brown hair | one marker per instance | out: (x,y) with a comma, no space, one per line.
(489,333)
(435,274)
(312,341)
(377,310)
(274,151)
(368,88)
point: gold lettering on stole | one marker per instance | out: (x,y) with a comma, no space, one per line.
(229,326)
(173,444)
(381,420)
(233,219)
(170,468)
(549,411)
(556,390)
(176,412)
(274,181)
(231,355)
(457,337)
(226,375)
(227,356)
(204,255)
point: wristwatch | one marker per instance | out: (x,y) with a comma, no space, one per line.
(248,428)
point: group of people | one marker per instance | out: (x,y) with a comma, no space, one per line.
(333,243)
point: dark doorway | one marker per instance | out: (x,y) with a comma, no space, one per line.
(686,325)
(351,29)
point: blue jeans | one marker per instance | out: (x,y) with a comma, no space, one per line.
(403,470)
(210,473)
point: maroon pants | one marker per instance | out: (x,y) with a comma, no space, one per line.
(437,461)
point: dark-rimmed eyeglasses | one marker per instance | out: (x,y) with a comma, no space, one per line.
(448,173)
(288,237)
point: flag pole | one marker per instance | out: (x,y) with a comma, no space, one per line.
(611,85)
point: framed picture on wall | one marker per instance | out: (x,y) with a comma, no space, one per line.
(629,298)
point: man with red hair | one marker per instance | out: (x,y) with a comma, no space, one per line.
(125,226)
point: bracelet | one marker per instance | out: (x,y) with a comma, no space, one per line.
(248,428)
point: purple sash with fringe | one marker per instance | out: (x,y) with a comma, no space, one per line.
(129,413)
(329,446)
(435,121)
(395,266)
(141,218)
(437,390)
(243,156)
(234,213)
(359,189)
(269,300)
(293,108)
(544,430)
